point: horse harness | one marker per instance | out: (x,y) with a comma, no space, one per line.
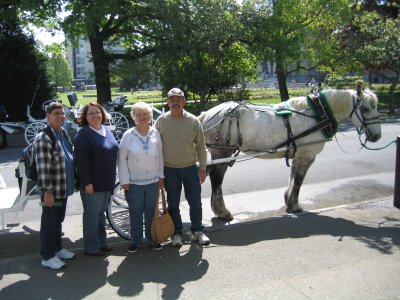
(326,122)
(323,115)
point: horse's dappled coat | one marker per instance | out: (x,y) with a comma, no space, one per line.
(259,129)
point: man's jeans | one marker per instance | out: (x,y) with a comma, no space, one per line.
(51,228)
(189,177)
(141,199)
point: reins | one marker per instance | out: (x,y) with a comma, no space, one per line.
(379,148)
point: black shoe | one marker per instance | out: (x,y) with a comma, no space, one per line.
(133,248)
(106,248)
(98,253)
(157,246)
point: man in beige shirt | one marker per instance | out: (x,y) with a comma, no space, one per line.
(183,143)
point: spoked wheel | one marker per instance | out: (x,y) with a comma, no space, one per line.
(32,130)
(118,213)
(3,139)
(118,124)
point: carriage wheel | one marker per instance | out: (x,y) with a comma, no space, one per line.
(118,124)
(3,139)
(118,213)
(32,130)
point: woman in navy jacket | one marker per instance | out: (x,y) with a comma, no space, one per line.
(95,157)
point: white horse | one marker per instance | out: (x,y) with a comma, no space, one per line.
(296,129)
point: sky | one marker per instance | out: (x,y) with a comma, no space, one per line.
(47,38)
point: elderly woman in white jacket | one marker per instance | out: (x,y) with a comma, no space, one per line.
(141,172)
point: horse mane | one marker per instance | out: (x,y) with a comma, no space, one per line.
(340,101)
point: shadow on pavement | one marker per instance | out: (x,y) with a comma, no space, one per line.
(85,275)
(170,267)
(27,242)
(379,236)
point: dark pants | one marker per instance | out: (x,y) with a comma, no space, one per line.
(189,178)
(51,229)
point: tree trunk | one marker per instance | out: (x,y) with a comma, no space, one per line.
(101,71)
(280,72)
(391,94)
(202,95)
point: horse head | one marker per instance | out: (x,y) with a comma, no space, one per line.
(365,115)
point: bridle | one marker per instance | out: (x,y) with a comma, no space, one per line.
(358,108)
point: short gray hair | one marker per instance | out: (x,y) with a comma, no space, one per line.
(141,106)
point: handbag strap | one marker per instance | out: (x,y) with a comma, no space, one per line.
(164,203)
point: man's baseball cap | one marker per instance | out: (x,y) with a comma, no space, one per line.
(175,92)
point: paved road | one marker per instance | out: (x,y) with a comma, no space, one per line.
(347,252)
(350,251)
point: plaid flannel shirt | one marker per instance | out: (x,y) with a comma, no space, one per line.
(50,164)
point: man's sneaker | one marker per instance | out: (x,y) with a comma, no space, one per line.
(54,263)
(201,238)
(65,254)
(157,246)
(133,248)
(176,240)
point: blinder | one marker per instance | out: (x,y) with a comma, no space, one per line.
(358,111)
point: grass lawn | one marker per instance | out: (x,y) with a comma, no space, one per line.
(260,96)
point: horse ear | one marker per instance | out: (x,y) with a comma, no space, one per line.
(359,92)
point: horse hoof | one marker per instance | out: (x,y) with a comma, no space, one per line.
(227,217)
(293,210)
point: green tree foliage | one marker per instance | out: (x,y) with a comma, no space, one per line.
(134,74)
(108,23)
(295,34)
(373,40)
(23,69)
(199,48)
(60,73)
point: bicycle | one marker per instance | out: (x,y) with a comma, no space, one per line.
(118,212)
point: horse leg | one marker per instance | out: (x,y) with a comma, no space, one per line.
(217,199)
(298,172)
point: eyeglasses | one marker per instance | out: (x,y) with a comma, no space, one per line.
(57,113)
(94,113)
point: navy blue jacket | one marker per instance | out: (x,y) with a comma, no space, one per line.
(96,159)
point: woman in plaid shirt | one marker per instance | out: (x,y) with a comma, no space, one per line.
(55,168)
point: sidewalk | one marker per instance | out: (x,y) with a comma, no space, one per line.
(344,252)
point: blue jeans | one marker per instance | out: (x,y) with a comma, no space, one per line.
(94,220)
(189,177)
(141,200)
(51,228)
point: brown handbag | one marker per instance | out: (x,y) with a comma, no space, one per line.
(162,226)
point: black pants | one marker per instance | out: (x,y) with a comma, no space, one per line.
(51,229)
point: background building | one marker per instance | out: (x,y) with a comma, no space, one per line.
(80,60)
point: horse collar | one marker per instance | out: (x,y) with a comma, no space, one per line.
(323,112)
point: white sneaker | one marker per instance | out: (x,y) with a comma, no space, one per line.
(201,238)
(176,240)
(54,263)
(65,254)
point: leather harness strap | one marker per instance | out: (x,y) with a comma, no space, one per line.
(326,123)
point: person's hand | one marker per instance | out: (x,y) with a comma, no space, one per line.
(125,187)
(49,199)
(202,175)
(161,184)
(89,188)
